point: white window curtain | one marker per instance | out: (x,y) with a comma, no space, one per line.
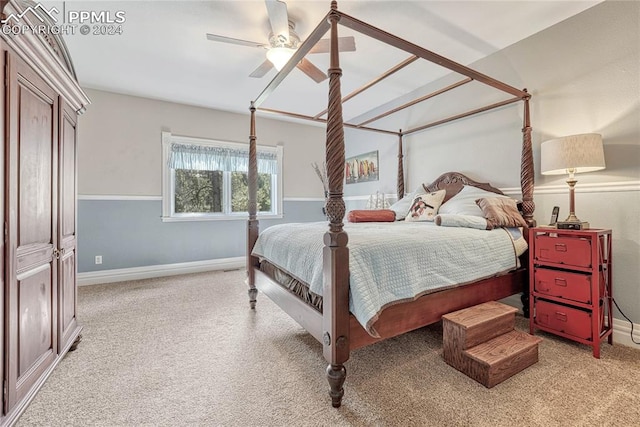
(200,157)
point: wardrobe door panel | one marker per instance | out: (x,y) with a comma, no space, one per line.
(32,157)
(35,168)
(67,176)
(67,295)
(67,221)
(34,317)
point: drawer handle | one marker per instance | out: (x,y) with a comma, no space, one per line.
(561,282)
(561,316)
(561,247)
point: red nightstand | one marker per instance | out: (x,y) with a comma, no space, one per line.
(570,284)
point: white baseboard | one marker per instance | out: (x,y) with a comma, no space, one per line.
(147,272)
(622,333)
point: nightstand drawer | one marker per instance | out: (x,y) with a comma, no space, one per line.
(564,319)
(562,284)
(563,250)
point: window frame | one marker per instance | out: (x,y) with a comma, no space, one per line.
(168,182)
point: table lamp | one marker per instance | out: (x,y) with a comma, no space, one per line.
(570,155)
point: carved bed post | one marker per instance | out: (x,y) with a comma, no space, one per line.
(335,307)
(400,167)
(527,173)
(252,223)
(527,178)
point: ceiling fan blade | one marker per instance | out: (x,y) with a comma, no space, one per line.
(231,40)
(311,70)
(345,44)
(262,69)
(279,18)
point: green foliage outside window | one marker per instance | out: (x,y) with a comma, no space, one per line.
(202,191)
(240,192)
(198,191)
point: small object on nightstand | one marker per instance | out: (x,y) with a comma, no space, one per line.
(554,215)
(570,284)
(582,225)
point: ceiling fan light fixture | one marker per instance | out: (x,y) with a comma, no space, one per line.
(279,56)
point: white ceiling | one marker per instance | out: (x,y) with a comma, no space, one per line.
(163,52)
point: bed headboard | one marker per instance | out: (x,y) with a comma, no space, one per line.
(453,183)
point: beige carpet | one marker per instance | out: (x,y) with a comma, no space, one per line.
(187,350)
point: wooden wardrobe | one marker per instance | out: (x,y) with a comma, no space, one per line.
(42,100)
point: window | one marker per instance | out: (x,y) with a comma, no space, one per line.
(207,180)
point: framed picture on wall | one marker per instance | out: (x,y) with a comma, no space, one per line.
(361,168)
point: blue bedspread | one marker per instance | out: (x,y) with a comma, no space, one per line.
(393,262)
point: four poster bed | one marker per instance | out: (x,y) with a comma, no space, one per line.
(333,324)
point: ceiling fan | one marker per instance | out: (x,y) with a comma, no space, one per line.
(283,42)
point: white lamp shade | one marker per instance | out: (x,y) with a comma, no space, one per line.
(582,153)
(279,56)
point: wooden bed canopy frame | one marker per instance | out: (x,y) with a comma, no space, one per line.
(335,327)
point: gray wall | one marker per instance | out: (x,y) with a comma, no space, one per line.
(119,181)
(584,76)
(120,153)
(130,233)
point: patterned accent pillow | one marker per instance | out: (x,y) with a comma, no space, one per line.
(401,207)
(425,206)
(501,212)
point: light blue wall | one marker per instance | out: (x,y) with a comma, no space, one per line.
(130,233)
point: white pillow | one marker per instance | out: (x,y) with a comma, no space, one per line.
(464,203)
(425,206)
(401,207)
(468,221)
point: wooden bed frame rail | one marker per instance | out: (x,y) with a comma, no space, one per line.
(338,331)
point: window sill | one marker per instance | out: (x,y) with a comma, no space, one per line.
(216,218)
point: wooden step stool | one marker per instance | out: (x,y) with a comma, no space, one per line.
(481,342)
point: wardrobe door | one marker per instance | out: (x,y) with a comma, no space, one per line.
(67,227)
(3,323)
(31,247)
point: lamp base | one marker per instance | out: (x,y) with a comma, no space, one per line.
(571,225)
